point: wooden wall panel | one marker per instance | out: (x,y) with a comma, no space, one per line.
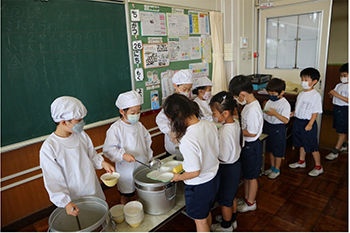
(28,198)
(332,79)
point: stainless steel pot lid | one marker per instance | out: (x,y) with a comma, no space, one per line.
(93,212)
(145,183)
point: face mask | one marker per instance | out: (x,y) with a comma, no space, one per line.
(216,119)
(207,95)
(187,94)
(244,102)
(78,128)
(132,119)
(273,97)
(305,85)
(344,79)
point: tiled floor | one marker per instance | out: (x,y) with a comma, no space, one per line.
(292,202)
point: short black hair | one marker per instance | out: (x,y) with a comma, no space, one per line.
(277,85)
(344,68)
(312,72)
(195,91)
(240,83)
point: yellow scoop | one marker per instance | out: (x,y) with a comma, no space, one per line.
(178,169)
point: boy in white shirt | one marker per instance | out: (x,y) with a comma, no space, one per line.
(202,88)
(276,116)
(182,81)
(340,95)
(68,158)
(127,140)
(252,123)
(307,106)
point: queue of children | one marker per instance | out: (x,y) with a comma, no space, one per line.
(213,159)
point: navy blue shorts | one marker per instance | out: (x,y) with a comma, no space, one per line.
(276,141)
(340,118)
(230,175)
(303,138)
(201,198)
(251,157)
(127,194)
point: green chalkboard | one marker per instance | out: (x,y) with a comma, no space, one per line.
(59,47)
(177,65)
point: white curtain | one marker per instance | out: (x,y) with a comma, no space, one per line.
(217,37)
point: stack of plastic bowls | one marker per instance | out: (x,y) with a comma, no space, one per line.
(117,213)
(133,212)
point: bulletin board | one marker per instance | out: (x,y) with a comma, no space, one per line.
(164,40)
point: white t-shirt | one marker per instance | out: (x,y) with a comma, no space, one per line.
(308,103)
(68,166)
(200,149)
(281,106)
(341,89)
(252,120)
(229,143)
(132,139)
(205,108)
(164,126)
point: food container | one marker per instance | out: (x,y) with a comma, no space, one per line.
(117,213)
(156,196)
(93,216)
(133,212)
(110,179)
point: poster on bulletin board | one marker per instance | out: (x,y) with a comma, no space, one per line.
(171,39)
(155,55)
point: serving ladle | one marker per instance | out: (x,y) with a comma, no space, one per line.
(153,165)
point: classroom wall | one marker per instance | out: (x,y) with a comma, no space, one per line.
(339,35)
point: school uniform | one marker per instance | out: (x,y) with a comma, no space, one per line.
(341,109)
(132,139)
(200,149)
(205,108)
(307,103)
(275,128)
(68,166)
(164,126)
(251,155)
(230,166)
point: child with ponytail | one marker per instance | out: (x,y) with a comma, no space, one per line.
(223,107)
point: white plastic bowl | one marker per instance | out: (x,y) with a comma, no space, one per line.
(133,212)
(117,213)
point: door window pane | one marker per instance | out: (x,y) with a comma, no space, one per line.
(292,41)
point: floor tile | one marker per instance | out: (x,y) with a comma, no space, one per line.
(341,193)
(269,202)
(278,224)
(252,220)
(309,199)
(328,223)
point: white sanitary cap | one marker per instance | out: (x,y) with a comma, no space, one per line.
(203,81)
(182,77)
(66,108)
(128,99)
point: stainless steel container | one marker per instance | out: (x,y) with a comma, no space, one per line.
(157,197)
(93,216)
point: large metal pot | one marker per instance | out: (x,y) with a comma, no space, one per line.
(157,197)
(93,216)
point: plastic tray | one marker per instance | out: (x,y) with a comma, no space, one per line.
(165,172)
